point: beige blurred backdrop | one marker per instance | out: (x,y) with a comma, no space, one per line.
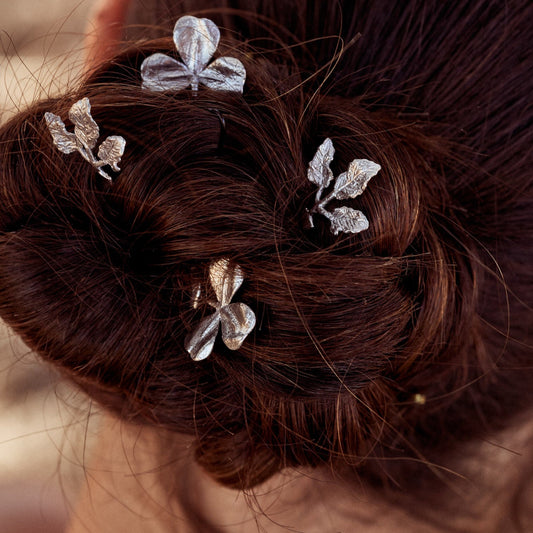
(43,422)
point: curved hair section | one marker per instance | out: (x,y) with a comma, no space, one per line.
(409,336)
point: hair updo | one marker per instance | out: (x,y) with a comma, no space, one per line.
(400,341)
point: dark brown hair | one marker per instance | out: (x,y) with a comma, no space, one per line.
(403,341)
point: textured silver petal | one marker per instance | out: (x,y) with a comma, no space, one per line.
(196,295)
(347,185)
(85,137)
(347,220)
(237,321)
(200,343)
(225,280)
(224,74)
(63,139)
(353,182)
(196,40)
(319,172)
(111,151)
(85,128)
(160,72)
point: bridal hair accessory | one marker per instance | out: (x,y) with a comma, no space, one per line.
(85,137)
(347,185)
(236,319)
(196,41)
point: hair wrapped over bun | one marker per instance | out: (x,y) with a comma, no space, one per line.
(354,332)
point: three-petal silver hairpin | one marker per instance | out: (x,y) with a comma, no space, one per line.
(349,184)
(235,319)
(85,137)
(196,41)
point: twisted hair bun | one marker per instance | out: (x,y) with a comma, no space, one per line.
(387,343)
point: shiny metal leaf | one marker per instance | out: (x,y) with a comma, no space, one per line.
(319,172)
(353,182)
(347,220)
(200,343)
(347,185)
(85,128)
(196,295)
(224,74)
(160,72)
(64,140)
(85,137)
(196,40)
(237,321)
(111,151)
(225,280)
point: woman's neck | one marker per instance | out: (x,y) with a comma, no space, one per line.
(129,490)
(124,492)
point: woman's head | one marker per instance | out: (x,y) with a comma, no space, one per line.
(397,342)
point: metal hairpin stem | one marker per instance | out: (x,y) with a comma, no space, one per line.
(222,134)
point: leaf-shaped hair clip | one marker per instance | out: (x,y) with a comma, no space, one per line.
(85,137)
(347,185)
(196,41)
(236,319)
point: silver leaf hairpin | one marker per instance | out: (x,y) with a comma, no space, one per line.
(85,137)
(236,319)
(196,41)
(347,185)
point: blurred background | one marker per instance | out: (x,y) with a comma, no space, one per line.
(43,422)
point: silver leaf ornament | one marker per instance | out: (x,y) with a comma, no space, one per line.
(225,280)
(196,41)
(85,128)
(200,343)
(111,151)
(347,185)
(163,73)
(224,74)
(65,141)
(352,183)
(347,220)
(319,172)
(237,320)
(85,138)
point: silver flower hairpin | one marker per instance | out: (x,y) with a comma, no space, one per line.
(236,319)
(85,137)
(196,41)
(347,185)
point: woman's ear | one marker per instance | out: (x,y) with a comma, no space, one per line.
(104,30)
